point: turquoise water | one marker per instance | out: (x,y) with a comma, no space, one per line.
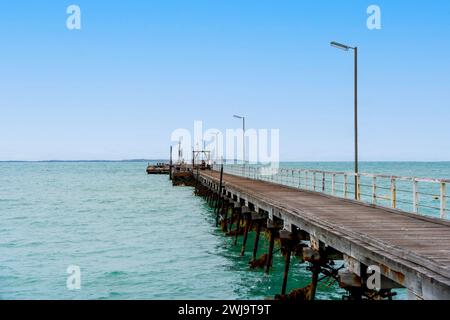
(133,236)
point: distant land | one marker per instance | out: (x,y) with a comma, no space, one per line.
(125,160)
(230,161)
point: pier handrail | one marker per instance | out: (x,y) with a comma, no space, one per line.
(427,196)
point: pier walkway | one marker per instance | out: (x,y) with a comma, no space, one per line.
(410,251)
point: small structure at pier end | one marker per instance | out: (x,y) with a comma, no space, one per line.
(159,168)
(183,174)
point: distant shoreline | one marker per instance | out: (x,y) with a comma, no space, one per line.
(56,161)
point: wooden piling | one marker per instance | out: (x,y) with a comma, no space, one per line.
(217,209)
(233,210)
(286,269)
(272,232)
(258,232)
(248,223)
(225,216)
(238,225)
(314,280)
(170,164)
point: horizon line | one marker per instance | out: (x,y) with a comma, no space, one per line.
(162,159)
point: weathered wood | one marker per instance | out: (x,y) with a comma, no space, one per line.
(411,250)
(238,224)
(248,223)
(272,231)
(310,255)
(258,233)
(286,269)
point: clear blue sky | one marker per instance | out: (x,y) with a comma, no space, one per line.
(140,69)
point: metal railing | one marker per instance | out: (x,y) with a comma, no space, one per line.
(425,196)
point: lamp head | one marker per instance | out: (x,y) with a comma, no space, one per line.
(340,46)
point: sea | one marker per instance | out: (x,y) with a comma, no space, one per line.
(107,230)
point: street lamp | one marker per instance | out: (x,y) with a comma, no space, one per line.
(243,135)
(216,134)
(355,50)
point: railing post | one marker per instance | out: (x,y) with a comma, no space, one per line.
(415,196)
(374,190)
(333,183)
(358,187)
(323,182)
(443,200)
(299,178)
(314,181)
(393,193)
(345,185)
(306,180)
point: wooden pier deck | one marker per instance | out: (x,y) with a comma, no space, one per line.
(411,251)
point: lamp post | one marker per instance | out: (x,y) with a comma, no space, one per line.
(216,134)
(243,135)
(355,51)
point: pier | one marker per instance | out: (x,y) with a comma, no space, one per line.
(310,217)
(159,168)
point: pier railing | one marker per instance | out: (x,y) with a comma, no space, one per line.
(425,196)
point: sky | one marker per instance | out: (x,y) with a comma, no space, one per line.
(137,70)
